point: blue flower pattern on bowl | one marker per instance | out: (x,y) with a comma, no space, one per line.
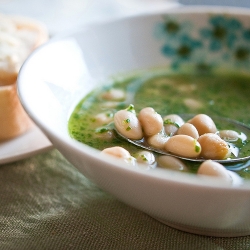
(224,40)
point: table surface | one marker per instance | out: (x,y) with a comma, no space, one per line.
(47,204)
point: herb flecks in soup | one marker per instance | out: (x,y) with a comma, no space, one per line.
(224,95)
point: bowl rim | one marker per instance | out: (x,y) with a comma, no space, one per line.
(178,9)
(157,174)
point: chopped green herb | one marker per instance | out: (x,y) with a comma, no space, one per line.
(109,114)
(102,130)
(197,147)
(128,128)
(170,122)
(144,158)
(131,108)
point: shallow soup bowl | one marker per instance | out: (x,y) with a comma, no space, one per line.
(56,77)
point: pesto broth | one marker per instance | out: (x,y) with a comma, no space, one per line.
(224,95)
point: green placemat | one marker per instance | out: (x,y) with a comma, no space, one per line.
(47,204)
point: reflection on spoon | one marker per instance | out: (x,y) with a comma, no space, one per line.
(240,149)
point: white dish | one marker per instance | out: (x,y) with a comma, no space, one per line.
(26,145)
(60,73)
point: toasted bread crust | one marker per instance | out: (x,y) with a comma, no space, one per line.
(19,36)
(13,119)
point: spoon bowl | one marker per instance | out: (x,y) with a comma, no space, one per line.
(239,149)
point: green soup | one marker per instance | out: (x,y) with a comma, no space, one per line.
(225,95)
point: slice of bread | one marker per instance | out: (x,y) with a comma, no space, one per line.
(13,119)
(19,36)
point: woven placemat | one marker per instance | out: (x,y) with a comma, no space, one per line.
(47,204)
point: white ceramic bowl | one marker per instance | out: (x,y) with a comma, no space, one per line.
(60,73)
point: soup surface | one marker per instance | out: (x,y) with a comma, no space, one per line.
(220,94)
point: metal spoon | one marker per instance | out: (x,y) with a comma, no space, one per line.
(223,123)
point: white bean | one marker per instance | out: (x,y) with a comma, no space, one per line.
(228,135)
(188,129)
(172,123)
(103,118)
(104,134)
(110,104)
(170,129)
(203,123)
(119,152)
(113,94)
(157,141)
(213,147)
(151,121)
(145,157)
(192,103)
(128,124)
(212,168)
(183,145)
(171,162)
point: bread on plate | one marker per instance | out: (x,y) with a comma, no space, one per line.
(19,36)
